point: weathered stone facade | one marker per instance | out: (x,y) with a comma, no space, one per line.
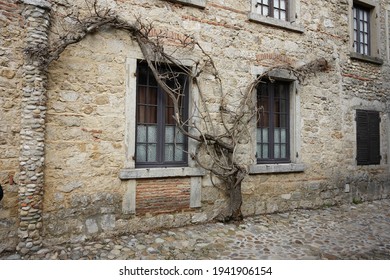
(84,118)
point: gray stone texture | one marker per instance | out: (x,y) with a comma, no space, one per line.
(69,127)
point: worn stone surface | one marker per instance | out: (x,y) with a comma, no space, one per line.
(349,232)
(74,135)
(11,61)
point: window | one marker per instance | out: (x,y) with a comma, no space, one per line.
(361,30)
(195,3)
(273,8)
(367,137)
(365,31)
(158,141)
(273,125)
(277,13)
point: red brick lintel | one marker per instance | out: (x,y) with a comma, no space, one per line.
(356,77)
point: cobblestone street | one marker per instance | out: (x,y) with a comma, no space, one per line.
(347,232)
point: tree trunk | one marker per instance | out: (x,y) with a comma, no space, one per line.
(236,202)
(233,210)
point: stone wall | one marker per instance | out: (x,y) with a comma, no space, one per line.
(11,60)
(87,120)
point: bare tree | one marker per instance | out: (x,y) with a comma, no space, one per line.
(218,137)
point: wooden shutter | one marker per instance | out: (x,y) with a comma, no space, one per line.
(367,137)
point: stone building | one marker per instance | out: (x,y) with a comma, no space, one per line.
(74,162)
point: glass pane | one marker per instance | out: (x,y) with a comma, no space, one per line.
(152,80)
(354,24)
(276,3)
(277,135)
(265,135)
(179,137)
(283,120)
(152,152)
(265,151)
(277,151)
(276,14)
(169,134)
(265,2)
(283,150)
(365,15)
(168,153)
(141,133)
(142,75)
(365,49)
(361,25)
(151,114)
(365,27)
(179,152)
(283,106)
(283,15)
(141,153)
(258,135)
(258,151)
(283,135)
(265,11)
(283,4)
(152,134)
(366,38)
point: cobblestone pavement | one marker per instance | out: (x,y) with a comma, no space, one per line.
(346,232)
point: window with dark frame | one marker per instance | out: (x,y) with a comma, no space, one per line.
(158,140)
(273,125)
(361,29)
(273,8)
(367,137)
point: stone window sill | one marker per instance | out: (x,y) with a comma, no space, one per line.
(275,22)
(276,168)
(195,3)
(169,172)
(366,58)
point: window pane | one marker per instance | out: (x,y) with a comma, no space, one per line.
(151,114)
(277,151)
(276,3)
(179,137)
(283,151)
(283,4)
(152,134)
(283,15)
(264,153)
(265,135)
(169,134)
(152,80)
(152,152)
(142,76)
(141,133)
(277,135)
(169,148)
(141,153)
(283,138)
(179,152)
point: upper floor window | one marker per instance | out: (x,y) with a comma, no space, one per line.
(278,13)
(361,29)
(158,141)
(368,137)
(273,125)
(365,31)
(273,8)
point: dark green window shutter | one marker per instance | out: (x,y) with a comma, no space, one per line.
(367,137)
